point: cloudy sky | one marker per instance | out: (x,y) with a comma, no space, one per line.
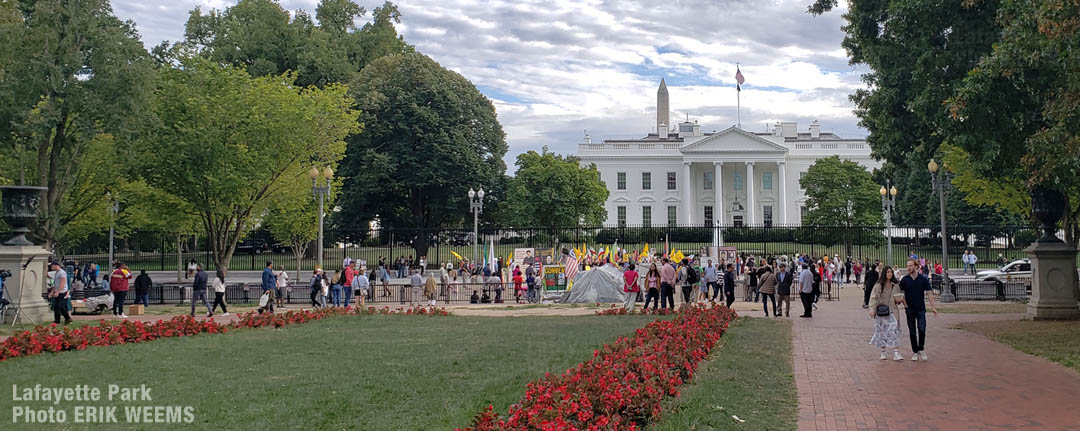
(555,69)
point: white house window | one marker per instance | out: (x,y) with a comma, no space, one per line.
(672,213)
(736,220)
(803,212)
(646,216)
(620,180)
(737,181)
(767,214)
(646,180)
(708,216)
(622,215)
(708,181)
(766,181)
(671,181)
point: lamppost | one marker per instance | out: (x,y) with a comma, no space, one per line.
(888,202)
(115,208)
(476,204)
(320,192)
(941,183)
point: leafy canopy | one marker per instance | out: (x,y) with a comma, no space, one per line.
(840,193)
(552,190)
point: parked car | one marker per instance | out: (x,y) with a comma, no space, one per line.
(1017,270)
(462,239)
(252,246)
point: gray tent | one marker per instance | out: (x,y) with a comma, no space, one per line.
(604,284)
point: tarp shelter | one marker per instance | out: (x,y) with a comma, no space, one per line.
(603,284)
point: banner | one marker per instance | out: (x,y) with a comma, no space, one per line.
(554,277)
(524,258)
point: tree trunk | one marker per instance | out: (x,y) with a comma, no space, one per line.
(179,256)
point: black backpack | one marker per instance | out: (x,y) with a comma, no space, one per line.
(692,275)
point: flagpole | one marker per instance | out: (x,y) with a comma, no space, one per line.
(738,101)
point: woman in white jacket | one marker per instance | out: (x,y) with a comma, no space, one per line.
(219,293)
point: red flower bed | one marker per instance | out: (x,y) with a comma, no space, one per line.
(52,338)
(622,387)
(618,310)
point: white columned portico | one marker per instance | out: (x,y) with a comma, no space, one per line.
(781,167)
(751,204)
(718,191)
(688,191)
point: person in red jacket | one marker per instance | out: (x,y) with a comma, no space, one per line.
(630,287)
(118,284)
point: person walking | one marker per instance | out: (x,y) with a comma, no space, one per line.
(682,280)
(668,275)
(417,283)
(868,285)
(767,288)
(630,287)
(315,285)
(269,283)
(806,290)
(784,278)
(281,285)
(653,282)
(219,293)
(915,286)
(712,280)
(360,286)
(143,283)
(118,285)
(885,298)
(847,270)
(198,291)
(729,284)
(346,286)
(335,288)
(60,294)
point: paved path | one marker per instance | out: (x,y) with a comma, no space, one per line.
(969,383)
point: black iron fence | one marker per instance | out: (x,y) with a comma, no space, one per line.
(156,251)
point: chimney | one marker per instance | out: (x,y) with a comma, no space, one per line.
(777,130)
(661,130)
(815,130)
(789,131)
(588,139)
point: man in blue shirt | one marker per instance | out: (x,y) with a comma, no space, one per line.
(269,282)
(712,278)
(915,285)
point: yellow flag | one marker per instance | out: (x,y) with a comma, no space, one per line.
(458,256)
(677,256)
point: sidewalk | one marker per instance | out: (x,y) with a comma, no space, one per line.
(969,382)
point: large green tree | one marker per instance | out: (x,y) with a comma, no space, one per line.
(918,53)
(1016,119)
(429,135)
(552,190)
(231,145)
(74,80)
(840,193)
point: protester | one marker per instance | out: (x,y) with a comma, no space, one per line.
(519,285)
(729,284)
(219,293)
(767,288)
(712,278)
(269,283)
(630,287)
(142,288)
(59,295)
(915,286)
(884,299)
(198,291)
(653,283)
(118,285)
(806,289)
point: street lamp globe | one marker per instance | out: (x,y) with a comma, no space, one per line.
(472,193)
(933,166)
(313,173)
(480,194)
(893,191)
(328,173)
(883,191)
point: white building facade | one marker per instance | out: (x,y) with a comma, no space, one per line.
(732,177)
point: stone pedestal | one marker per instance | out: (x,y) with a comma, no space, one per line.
(25,287)
(1054,282)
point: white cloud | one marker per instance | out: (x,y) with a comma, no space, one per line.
(556,68)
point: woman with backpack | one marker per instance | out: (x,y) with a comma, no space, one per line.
(884,307)
(689,278)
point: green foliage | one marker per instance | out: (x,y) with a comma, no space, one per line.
(74,79)
(428,137)
(840,193)
(231,145)
(1018,112)
(553,190)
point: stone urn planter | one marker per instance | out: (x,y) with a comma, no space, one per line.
(20,205)
(1047,206)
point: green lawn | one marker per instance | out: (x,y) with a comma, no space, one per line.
(1057,341)
(749,376)
(370,373)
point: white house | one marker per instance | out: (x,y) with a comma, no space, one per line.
(732,177)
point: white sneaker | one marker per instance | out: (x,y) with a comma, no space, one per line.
(123,316)
(225,315)
(922,355)
(915,357)
(815,306)
(883,357)
(895,356)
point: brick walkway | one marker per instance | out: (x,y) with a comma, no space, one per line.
(969,383)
